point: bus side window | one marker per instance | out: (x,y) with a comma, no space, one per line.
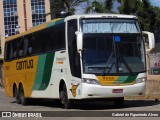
(18,52)
(60,36)
(49,43)
(32,45)
(29,46)
(25,46)
(74,57)
(7,51)
(21,47)
(30,50)
(15,48)
(11,51)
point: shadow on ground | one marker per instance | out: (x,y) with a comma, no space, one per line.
(98,105)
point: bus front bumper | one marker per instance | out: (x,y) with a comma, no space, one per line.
(98,91)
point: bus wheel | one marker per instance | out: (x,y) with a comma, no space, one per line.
(119,101)
(16,95)
(22,97)
(64,98)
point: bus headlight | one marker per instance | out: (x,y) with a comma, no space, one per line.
(140,80)
(90,81)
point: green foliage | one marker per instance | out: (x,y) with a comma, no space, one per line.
(64,5)
(56,7)
(71,4)
(100,6)
(149,16)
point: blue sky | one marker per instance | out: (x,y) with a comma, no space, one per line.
(155,2)
(80,9)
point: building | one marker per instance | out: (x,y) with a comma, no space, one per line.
(155,61)
(20,15)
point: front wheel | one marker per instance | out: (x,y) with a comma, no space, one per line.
(64,98)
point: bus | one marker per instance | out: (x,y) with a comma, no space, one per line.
(79,57)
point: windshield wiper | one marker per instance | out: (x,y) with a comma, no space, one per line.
(107,67)
(125,63)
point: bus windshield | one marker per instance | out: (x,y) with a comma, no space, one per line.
(113,52)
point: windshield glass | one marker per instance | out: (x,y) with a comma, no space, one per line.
(110,26)
(112,46)
(113,53)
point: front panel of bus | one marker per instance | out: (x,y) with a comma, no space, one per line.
(112,58)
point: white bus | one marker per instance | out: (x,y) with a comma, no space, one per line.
(77,58)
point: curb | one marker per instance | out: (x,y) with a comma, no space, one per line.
(146,97)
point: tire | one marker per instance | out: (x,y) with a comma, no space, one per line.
(68,104)
(16,95)
(22,97)
(119,102)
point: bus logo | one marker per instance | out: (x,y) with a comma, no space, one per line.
(73,90)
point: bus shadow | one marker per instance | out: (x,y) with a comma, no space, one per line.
(98,105)
(109,105)
(45,102)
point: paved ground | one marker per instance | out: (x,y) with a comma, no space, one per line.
(9,104)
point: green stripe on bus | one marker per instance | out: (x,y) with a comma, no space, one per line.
(39,72)
(47,71)
(131,79)
(121,79)
(55,23)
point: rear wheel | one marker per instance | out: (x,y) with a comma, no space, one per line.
(64,98)
(16,95)
(119,101)
(22,97)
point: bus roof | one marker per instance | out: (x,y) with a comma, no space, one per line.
(100,16)
(36,28)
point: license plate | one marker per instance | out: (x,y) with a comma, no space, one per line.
(117,91)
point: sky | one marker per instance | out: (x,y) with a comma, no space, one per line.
(80,9)
(155,2)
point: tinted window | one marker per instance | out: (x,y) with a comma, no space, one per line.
(72,47)
(50,39)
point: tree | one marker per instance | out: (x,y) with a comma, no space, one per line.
(103,6)
(147,14)
(71,4)
(63,5)
(56,6)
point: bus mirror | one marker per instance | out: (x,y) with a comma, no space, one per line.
(149,40)
(64,14)
(79,41)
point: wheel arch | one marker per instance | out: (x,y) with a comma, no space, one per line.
(61,83)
